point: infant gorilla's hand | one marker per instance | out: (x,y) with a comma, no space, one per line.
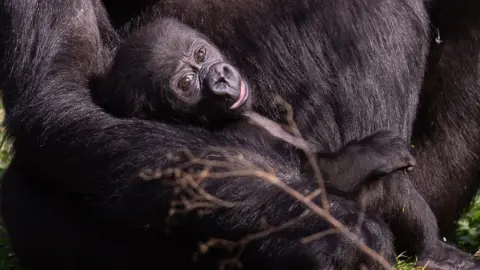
(360,161)
(381,153)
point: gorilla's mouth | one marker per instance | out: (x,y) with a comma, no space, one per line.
(242,98)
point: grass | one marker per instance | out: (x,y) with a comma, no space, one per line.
(468,228)
(405,263)
(468,231)
(8,261)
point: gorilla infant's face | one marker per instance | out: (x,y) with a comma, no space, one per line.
(200,79)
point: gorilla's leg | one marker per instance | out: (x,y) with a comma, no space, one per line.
(52,230)
(446,135)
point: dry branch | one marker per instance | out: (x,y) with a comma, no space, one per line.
(190,194)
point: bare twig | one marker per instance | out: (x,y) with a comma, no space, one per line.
(319,235)
(274,129)
(258,173)
(477,254)
(229,162)
(312,159)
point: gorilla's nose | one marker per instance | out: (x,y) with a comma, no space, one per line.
(223,79)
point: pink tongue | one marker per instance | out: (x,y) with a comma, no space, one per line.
(240,97)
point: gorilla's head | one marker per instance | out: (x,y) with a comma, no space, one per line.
(168,71)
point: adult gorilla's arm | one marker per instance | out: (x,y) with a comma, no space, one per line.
(447,128)
(51,48)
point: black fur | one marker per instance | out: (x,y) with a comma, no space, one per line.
(142,82)
(60,135)
(310,54)
(72,198)
(446,134)
(144,77)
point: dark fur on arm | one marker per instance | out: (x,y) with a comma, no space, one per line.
(72,145)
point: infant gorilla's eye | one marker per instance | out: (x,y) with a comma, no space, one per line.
(184,82)
(200,55)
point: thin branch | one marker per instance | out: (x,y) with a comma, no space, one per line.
(235,165)
(312,159)
(273,179)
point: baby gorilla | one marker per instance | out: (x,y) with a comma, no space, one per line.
(167,71)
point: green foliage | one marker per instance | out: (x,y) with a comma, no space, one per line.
(468,230)
(4,145)
(405,263)
(8,260)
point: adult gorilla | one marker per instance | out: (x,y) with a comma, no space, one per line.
(336,82)
(445,136)
(72,198)
(88,161)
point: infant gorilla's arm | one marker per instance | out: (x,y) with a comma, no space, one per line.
(357,162)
